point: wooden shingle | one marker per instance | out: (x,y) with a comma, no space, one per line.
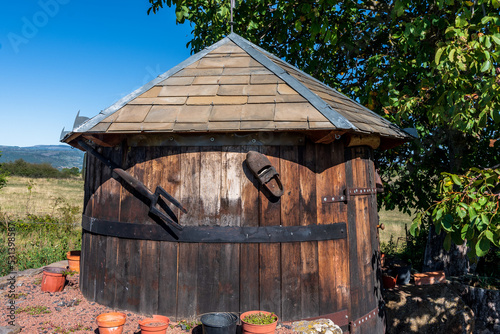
(236,86)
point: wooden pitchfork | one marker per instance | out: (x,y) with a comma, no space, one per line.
(140,188)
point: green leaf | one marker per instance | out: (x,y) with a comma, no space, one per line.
(485,219)
(438,55)
(456,180)
(461,212)
(482,200)
(464,230)
(472,213)
(482,246)
(486,66)
(447,223)
(495,39)
(447,242)
(179,15)
(298,25)
(487,42)
(460,22)
(486,19)
(495,3)
(451,54)
(488,234)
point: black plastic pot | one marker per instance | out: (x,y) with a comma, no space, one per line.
(219,323)
(404,274)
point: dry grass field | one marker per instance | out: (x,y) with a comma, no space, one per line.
(22,196)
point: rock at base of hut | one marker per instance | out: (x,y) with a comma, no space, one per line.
(427,309)
(325,326)
(10,329)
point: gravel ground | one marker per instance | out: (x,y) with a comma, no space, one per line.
(68,311)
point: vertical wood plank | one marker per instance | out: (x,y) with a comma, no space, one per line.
(210,186)
(108,209)
(324,161)
(375,243)
(290,252)
(269,254)
(133,289)
(363,230)
(188,253)
(101,267)
(169,168)
(249,253)
(123,270)
(85,263)
(362,274)
(132,209)
(333,270)
(231,175)
(229,278)
(341,247)
(209,255)
(149,261)
(308,216)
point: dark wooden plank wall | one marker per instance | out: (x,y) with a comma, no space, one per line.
(296,280)
(364,251)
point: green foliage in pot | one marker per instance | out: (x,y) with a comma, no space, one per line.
(260,318)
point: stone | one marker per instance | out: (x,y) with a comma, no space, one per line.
(432,309)
(10,329)
(325,326)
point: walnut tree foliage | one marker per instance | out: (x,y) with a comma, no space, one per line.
(430,65)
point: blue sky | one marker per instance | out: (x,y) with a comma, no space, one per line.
(61,56)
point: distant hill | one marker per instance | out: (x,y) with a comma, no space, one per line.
(59,156)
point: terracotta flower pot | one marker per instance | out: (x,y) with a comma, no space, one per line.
(74,260)
(389,281)
(433,277)
(53,279)
(260,329)
(158,324)
(111,323)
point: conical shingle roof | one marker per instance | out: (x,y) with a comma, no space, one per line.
(235,86)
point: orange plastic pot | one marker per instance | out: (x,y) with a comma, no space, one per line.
(259,329)
(111,323)
(74,260)
(53,279)
(158,324)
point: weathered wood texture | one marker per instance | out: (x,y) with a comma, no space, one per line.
(364,254)
(295,280)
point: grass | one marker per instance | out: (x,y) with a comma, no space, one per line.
(24,196)
(43,218)
(34,310)
(394,222)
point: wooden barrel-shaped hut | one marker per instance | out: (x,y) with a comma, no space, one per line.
(177,221)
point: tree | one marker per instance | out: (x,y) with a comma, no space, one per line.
(431,65)
(3,176)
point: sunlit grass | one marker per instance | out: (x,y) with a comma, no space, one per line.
(23,195)
(394,222)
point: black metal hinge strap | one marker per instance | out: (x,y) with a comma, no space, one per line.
(216,234)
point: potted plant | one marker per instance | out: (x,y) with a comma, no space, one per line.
(258,322)
(53,279)
(74,260)
(111,323)
(158,324)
